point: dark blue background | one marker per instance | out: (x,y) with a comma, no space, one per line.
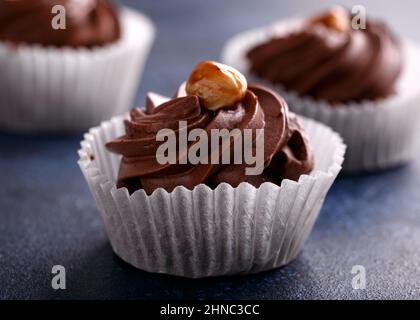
(48,217)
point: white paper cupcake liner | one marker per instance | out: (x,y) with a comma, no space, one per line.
(378,135)
(47,89)
(205,232)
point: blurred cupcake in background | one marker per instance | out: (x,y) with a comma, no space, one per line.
(211,218)
(67,64)
(363,82)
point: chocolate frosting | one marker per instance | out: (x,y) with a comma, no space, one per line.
(287,154)
(315,60)
(88,23)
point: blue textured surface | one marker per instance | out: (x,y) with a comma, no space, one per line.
(48,217)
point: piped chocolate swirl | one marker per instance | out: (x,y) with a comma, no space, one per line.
(287,153)
(88,23)
(325,58)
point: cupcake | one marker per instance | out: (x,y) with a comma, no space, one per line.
(361,81)
(210,217)
(66,64)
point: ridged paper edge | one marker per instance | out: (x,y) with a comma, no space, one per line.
(204,232)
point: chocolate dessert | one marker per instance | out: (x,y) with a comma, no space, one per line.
(216,97)
(326,58)
(88,23)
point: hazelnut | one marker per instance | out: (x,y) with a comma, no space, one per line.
(337,19)
(217,85)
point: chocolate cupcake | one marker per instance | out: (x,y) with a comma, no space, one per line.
(66,65)
(359,81)
(210,218)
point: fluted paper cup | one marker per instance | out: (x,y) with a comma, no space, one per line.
(204,232)
(47,89)
(378,135)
